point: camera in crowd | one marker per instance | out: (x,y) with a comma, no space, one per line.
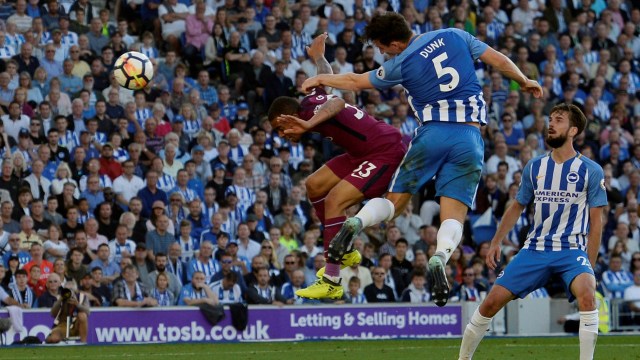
(65,294)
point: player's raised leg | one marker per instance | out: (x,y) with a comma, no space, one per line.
(332,211)
(339,198)
(476,329)
(583,287)
(318,186)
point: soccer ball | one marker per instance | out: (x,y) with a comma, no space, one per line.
(133,70)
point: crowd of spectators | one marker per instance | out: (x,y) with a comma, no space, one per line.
(181,193)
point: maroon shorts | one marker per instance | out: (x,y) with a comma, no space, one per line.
(370,174)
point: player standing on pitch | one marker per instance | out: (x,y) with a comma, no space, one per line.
(568,193)
(437,72)
(363,172)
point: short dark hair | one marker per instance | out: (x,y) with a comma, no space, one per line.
(283,105)
(388,27)
(231,276)
(576,116)
(402,241)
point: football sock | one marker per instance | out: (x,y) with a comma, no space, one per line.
(588,333)
(449,236)
(375,211)
(332,271)
(331,228)
(318,205)
(473,334)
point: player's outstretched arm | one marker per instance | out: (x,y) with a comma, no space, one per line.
(316,53)
(507,68)
(595,234)
(348,81)
(509,219)
(295,126)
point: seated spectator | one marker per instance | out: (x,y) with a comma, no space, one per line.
(158,240)
(197,292)
(20,291)
(226,265)
(354,293)
(262,292)
(27,235)
(393,277)
(246,247)
(204,263)
(143,264)
(174,284)
(287,292)
(266,251)
(110,269)
(80,239)
(401,259)
(50,296)
(128,292)
(227,288)
(45,266)
(378,291)
(55,248)
(309,244)
(37,285)
(161,292)
(358,271)
(616,279)
(86,287)
(190,247)
(470,289)
(121,246)
(175,265)
(99,290)
(75,268)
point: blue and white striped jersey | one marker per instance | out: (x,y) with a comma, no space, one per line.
(437,71)
(227,296)
(563,195)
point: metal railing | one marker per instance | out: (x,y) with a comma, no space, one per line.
(622,318)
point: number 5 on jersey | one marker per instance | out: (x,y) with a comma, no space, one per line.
(447,70)
(363,171)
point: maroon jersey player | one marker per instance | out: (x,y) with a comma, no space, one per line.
(373,151)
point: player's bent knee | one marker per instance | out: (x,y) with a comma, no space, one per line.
(586,302)
(82,317)
(314,186)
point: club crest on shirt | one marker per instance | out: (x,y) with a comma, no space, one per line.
(573,177)
(380,73)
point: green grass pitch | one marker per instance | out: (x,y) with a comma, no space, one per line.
(546,348)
